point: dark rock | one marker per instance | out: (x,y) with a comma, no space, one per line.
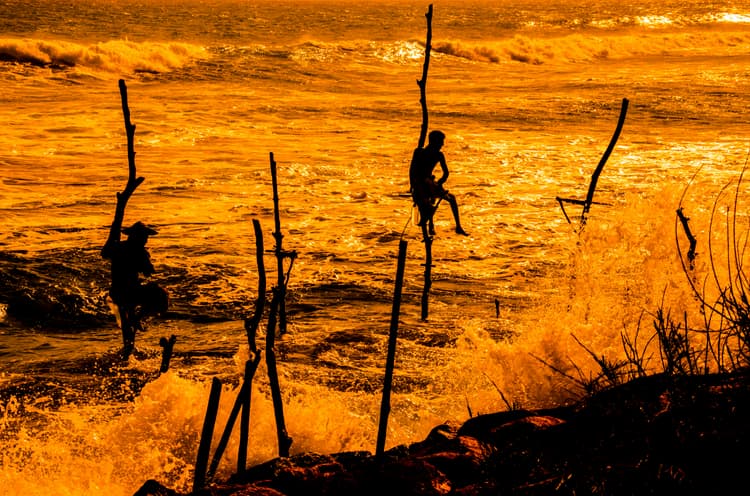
(153,488)
(655,435)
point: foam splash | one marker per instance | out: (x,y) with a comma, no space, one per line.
(618,268)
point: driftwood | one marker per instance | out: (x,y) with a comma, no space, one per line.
(385,405)
(206,434)
(586,204)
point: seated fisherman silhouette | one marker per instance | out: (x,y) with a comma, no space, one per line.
(425,190)
(132,300)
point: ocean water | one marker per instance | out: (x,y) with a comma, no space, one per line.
(528,94)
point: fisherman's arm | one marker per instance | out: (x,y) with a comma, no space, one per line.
(147,268)
(444,168)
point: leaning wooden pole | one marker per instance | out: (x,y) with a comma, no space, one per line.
(204,448)
(221,446)
(241,406)
(273,378)
(595,176)
(385,405)
(251,324)
(250,367)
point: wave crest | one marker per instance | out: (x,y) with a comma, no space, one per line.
(115,56)
(588,48)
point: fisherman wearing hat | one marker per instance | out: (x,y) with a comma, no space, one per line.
(132,300)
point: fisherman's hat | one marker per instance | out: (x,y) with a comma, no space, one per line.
(139,228)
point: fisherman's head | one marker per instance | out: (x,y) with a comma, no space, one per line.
(436,139)
(138,232)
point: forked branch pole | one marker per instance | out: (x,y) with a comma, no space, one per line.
(127,327)
(422,83)
(133,180)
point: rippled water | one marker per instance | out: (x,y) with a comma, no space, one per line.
(528,95)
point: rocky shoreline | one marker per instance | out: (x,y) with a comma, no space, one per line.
(654,435)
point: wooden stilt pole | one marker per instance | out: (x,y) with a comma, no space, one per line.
(427,272)
(279,251)
(128,323)
(273,377)
(385,405)
(422,83)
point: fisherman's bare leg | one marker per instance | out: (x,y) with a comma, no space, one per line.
(454,208)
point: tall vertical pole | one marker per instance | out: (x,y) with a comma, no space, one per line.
(278,249)
(422,83)
(427,272)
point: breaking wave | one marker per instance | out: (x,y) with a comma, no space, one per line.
(114,56)
(577,48)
